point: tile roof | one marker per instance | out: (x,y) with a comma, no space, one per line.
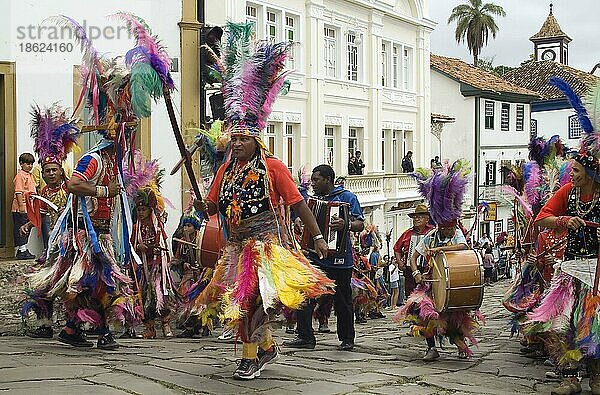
(534,76)
(476,77)
(550,29)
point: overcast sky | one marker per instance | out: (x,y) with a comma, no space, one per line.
(577,18)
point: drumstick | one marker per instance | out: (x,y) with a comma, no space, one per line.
(592,224)
(184,241)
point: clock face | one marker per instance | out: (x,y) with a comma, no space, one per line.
(548,55)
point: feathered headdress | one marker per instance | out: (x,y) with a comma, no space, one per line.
(90,69)
(149,63)
(252,77)
(53,134)
(142,180)
(444,190)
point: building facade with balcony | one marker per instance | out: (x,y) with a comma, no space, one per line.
(361,83)
(491,129)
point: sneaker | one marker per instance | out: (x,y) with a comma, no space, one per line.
(361,320)
(76,339)
(247,370)
(324,328)
(107,342)
(299,342)
(346,346)
(431,355)
(265,357)
(23,255)
(227,334)
(553,376)
(188,333)
(41,332)
(129,333)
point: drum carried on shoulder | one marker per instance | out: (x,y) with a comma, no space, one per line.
(457,280)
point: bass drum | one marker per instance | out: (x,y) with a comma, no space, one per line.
(457,280)
(212,240)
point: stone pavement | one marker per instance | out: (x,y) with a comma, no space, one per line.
(385,361)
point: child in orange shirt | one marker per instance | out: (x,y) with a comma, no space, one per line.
(24,185)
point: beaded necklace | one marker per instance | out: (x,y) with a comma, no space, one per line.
(581,212)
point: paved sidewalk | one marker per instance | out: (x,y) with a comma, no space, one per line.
(385,361)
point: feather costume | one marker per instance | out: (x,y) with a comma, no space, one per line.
(259,270)
(444,190)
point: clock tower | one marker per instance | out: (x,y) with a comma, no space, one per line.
(551,43)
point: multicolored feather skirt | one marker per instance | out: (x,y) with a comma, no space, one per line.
(458,326)
(91,285)
(254,278)
(568,319)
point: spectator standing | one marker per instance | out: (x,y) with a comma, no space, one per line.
(488,264)
(23,186)
(407,163)
(351,164)
(375,257)
(394,278)
(359,165)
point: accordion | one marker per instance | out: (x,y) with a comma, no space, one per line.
(324,211)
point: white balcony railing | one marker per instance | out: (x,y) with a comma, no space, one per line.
(375,189)
(494,193)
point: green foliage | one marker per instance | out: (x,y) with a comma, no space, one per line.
(474,23)
(486,64)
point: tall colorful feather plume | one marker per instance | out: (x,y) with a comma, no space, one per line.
(213,143)
(591,100)
(445,190)
(522,202)
(149,63)
(303,180)
(53,134)
(91,67)
(238,47)
(142,180)
(575,102)
(533,180)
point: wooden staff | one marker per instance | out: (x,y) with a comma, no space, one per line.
(185,242)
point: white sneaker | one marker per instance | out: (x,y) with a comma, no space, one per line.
(227,334)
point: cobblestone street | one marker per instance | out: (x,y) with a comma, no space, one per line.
(385,361)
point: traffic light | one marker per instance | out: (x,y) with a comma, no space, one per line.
(211,36)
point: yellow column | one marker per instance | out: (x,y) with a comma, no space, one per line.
(8,128)
(190,80)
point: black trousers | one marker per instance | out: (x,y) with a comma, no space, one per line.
(343,307)
(19,219)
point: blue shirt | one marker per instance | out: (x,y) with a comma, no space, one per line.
(339,194)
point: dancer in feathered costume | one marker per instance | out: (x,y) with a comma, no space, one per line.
(444,190)
(55,137)
(194,279)
(149,240)
(569,314)
(259,268)
(532,185)
(86,263)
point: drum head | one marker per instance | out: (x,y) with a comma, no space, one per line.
(440,280)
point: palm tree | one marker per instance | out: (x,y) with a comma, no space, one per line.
(475,22)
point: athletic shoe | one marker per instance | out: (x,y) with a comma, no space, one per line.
(76,339)
(346,346)
(266,357)
(41,332)
(324,328)
(247,370)
(299,342)
(107,342)
(431,355)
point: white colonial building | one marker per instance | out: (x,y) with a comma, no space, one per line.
(484,119)
(361,83)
